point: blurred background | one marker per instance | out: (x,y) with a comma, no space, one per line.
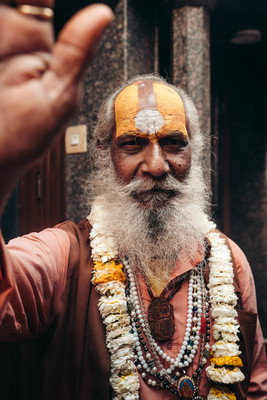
(216,51)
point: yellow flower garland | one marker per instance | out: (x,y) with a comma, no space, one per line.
(108,271)
(222,394)
(224,368)
(109,279)
(220,361)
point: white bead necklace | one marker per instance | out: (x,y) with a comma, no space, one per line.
(151,363)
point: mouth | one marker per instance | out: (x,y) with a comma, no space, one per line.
(154,198)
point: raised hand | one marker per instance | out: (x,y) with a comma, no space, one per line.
(40,79)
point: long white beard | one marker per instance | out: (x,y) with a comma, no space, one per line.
(152,229)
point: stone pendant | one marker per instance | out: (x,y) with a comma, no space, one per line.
(161,319)
(186,388)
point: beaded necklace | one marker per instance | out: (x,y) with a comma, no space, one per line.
(150,358)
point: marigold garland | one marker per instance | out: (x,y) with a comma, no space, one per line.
(225,364)
(220,361)
(109,278)
(221,393)
(108,271)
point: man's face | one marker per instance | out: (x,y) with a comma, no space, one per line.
(151,139)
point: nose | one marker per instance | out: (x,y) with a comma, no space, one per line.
(154,162)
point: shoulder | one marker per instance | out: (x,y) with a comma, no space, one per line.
(76,232)
(245,277)
(70,226)
(239,258)
(80,250)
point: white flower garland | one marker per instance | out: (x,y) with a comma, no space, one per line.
(108,279)
(113,309)
(224,368)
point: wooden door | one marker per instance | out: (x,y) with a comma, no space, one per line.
(41,193)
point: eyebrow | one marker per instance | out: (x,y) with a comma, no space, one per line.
(134,135)
(126,136)
(176,134)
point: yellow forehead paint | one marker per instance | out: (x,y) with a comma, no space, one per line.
(170,105)
(149,108)
(126,108)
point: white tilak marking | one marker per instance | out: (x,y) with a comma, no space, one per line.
(149,121)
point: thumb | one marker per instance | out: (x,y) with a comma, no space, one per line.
(78,40)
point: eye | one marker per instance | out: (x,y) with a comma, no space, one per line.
(132,144)
(173,143)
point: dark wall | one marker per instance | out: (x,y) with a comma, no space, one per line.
(239,82)
(247,94)
(65,9)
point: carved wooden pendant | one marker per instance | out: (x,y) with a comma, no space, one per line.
(186,387)
(161,319)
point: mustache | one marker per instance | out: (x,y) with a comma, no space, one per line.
(154,192)
(166,184)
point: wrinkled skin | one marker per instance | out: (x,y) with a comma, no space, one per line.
(40,82)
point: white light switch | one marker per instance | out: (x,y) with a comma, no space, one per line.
(76,139)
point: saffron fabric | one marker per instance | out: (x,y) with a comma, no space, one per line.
(35,270)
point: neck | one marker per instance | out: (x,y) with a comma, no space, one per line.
(158,286)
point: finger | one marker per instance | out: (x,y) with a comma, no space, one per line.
(23,34)
(16,70)
(39,3)
(78,41)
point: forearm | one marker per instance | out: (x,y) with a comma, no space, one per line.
(36,266)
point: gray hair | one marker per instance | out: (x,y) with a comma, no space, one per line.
(102,136)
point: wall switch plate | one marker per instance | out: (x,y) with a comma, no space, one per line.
(76,139)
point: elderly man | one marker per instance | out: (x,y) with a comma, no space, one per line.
(144,298)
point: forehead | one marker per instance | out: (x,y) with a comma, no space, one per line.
(150,108)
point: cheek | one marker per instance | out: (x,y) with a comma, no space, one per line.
(123,166)
(182,166)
